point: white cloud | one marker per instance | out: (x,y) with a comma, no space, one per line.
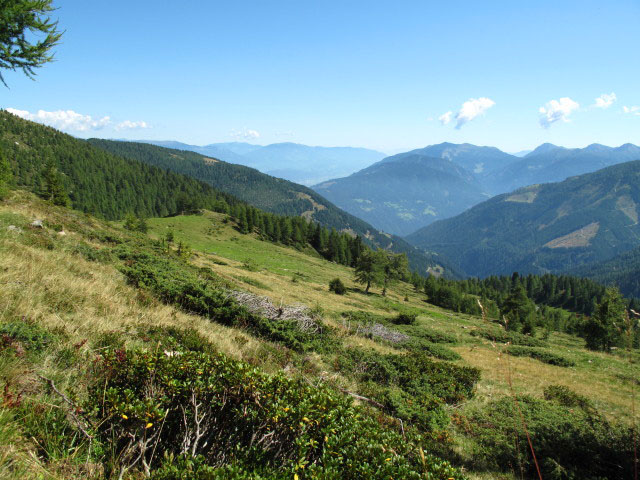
(471,109)
(605,100)
(445,118)
(129,125)
(64,119)
(557,110)
(632,110)
(245,134)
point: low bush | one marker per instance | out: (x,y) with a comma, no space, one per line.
(539,354)
(426,383)
(405,318)
(336,286)
(569,443)
(420,345)
(25,335)
(204,416)
(515,338)
(568,398)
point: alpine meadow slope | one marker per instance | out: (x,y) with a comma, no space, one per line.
(544,228)
(271,194)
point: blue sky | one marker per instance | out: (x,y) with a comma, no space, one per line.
(382,75)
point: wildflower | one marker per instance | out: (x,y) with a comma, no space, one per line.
(149,425)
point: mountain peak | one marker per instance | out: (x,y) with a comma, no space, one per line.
(544,148)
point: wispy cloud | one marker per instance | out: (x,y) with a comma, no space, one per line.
(635,110)
(67,120)
(471,109)
(129,125)
(445,118)
(70,121)
(556,110)
(245,134)
(605,100)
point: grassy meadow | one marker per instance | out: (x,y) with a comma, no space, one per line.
(63,283)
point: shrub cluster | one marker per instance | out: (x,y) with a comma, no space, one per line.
(503,336)
(569,442)
(336,286)
(199,291)
(185,414)
(539,354)
(413,387)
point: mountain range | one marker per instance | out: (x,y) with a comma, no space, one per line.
(408,191)
(292,161)
(545,227)
(268,193)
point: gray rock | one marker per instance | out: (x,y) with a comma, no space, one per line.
(37,224)
(13,228)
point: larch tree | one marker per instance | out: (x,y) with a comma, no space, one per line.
(27,35)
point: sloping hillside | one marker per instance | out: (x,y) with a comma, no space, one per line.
(405,192)
(622,271)
(298,163)
(100,323)
(270,194)
(550,227)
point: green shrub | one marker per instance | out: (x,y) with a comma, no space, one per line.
(539,354)
(515,338)
(569,443)
(427,383)
(174,282)
(568,398)
(405,318)
(420,345)
(336,286)
(428,334)
(204,416)
(92,254)
(31,336)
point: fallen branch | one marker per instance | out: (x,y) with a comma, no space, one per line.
(364,399)
(73,406)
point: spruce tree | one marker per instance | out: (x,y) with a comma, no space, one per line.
(603,329)
(53,188)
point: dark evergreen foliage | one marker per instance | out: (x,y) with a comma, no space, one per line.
(273,195)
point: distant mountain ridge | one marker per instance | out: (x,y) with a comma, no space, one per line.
(292,161)
(391,199)
(550,163)
(544,228)
(405,191)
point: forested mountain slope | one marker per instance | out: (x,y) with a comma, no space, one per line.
(550,163)
(622,271)
(97,181)
(403,193)
(295,162)
(268,193)
(544,228)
